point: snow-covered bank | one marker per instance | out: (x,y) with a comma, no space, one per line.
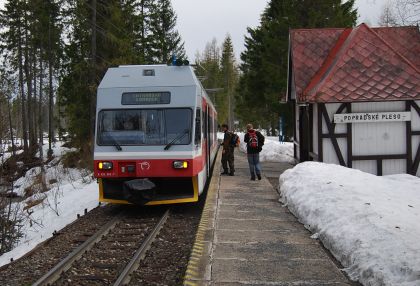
(58,210)
(70,191)
(371,224)
(273,150)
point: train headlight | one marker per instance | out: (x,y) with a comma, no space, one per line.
(105,165)
(180,164)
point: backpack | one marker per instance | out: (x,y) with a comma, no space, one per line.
(234,140)
(253,140)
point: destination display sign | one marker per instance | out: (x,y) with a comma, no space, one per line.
(144,98)
(372,117)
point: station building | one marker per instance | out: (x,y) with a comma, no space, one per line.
(356,95)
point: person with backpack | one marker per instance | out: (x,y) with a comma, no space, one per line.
(230,141)
(254,141)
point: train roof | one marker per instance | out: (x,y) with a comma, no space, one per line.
(148,76)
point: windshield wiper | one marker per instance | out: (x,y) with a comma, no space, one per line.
(118,146)
(179,137)
(115,143)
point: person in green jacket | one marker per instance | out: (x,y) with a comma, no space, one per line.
(228,152)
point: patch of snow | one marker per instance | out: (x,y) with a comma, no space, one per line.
(371,224)
(220,135)
(59,208)
(71,191)
(273,150)
(57,148)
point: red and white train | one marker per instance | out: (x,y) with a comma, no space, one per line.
(155,135)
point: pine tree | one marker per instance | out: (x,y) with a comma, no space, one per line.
(74,90)
(263,81)
(30,30)
(230,75)
(165,39)
(72,43)
(12,23)
(208,70)
(209,65)
(52,50)
(118,31)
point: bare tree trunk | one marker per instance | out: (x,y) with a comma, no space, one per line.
(41,87)
(30,109)
(35,87)
(22,100)
(143,33)
(28,77)
(93,76)
(51,95)
(11,127)
(40,130)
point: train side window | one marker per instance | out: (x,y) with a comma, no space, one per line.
(197,139)
(210,130)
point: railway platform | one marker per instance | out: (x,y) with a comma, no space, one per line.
(246,237)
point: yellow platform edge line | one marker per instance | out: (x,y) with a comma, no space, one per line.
(195,256)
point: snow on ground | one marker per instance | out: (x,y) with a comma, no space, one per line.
(371,224)
(58,210)
(273,150)
(4,147)
(70,192)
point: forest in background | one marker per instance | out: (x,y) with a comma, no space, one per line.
(54,54)
(254,89)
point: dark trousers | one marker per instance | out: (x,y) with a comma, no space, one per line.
(228,158)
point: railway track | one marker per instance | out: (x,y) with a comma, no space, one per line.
(110,255)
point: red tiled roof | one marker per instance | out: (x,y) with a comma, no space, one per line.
(405,40)
(356,64)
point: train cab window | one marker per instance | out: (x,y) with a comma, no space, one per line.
(144,126)
(197,138)
(178,125)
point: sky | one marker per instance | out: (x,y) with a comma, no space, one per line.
(199,21)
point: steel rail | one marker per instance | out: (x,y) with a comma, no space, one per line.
(55,273)
(124,277)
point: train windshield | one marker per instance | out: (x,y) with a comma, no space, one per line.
(145,127)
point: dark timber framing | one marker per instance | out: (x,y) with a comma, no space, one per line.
(415,165)
(323,117)
(331,130)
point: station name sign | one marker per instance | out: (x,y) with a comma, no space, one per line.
(372,117)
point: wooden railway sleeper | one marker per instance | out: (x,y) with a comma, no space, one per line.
(65,264)
(124,277)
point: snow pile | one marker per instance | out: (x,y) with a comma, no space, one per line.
(371,224)
(70,191)
(273,150)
